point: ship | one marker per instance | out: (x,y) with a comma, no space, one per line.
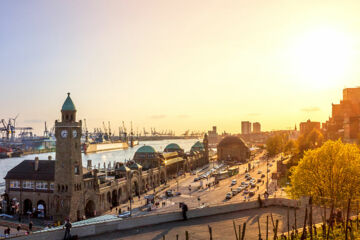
(102,142)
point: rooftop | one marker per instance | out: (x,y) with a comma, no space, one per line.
(68,104)
(26,171)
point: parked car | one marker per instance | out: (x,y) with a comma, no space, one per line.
(239,189)
(228,195)
(196,179)
(234,192)
(253,185)
(259,180)
(262,175)
(251,193)
(246,191)
(259,172)
(169,193)
(233,182)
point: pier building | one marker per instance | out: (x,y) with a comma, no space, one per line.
(233,149)
(63,188)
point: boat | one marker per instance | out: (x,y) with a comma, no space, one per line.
(100,144)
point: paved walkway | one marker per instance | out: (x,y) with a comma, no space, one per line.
(222,226)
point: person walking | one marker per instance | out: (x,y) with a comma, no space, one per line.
(184,209)
(67,227)
(30,226)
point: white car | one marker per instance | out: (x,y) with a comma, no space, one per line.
(228,195)
(239,189)
(233,182)
(259,172)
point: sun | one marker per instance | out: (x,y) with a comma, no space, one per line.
(322,57)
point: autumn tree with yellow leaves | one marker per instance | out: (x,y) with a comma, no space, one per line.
(329,174)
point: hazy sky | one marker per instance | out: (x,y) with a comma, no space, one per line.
(177,64)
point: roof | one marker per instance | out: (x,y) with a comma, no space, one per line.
(199,145)
(136,166)
(26,171)
(122,167)
(146,149)
(68,104)
(174,160)
(173,146)
(231,140)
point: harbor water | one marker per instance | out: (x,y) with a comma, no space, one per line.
(100,157)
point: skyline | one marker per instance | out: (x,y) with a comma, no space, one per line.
(177,66)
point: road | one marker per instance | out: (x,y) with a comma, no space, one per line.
(209,196)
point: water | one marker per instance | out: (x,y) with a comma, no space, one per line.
(101,157)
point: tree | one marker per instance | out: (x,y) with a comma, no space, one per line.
(310,140)
(276,144)
(329,173)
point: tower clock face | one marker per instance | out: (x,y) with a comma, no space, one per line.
(74,134)
(64,133)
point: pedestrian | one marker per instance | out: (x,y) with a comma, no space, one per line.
(30,226)
(260,201)
(119,211)
(184,209)
(67,227)
(8,230)
(18,228)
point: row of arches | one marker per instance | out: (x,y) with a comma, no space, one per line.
(39,209)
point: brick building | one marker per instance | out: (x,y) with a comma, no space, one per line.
(344,122)
(232,149)
(62,188)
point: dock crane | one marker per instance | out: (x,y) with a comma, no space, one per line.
(124,133)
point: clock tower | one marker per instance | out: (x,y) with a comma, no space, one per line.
(68,166)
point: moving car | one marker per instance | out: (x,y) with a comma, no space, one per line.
(228,195)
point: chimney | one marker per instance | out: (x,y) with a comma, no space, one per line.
(89,164)
(36,168)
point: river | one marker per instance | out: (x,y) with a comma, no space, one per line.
(101,157)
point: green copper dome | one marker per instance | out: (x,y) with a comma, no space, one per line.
(146,149)
(173,146)
(68,104)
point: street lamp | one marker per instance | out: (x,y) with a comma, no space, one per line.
(267,174)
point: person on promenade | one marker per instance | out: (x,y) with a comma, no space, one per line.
(184,209)
(67,227)
(260,201)
(30,226)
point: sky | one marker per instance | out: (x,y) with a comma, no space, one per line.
(177,64)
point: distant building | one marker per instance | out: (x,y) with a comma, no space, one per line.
(233,149)
(245,127)
(256,127)
(213,136)
(345,119)
(308,126)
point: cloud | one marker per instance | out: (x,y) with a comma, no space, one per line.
(183,116)
(161,116)
(253,114)
(310,109)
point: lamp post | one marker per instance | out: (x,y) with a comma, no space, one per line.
(267,174)
(130,197)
